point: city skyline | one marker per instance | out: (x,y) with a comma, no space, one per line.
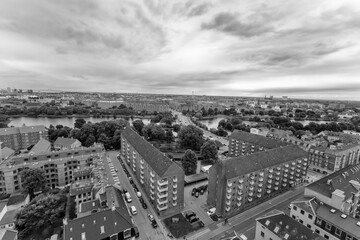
(306,49)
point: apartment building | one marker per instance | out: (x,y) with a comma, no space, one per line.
(276,225)
(58,166)
(82,191)
(62,143)
(239,183)
(161,178)
(331,206)
(18,138)
(148,106)
(243,143)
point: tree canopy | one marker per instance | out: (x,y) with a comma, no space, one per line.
(191,137)
(32,179)
(189,161)
(138,125)
(209,150)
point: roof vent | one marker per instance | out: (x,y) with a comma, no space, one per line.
(332,210)
(267,222)
(358,223)
(286,236)
(276,230)
(343,216)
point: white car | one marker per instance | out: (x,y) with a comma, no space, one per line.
(211,211)
(133,210)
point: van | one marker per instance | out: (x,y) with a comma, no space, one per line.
(243,237)
(133,210)
(128,197)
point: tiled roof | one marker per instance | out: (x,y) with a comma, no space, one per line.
(16,198)
(257,139)
(110,220)
(260,160)
(287,228)
(42,146)
(113,195)
(3,203)
(9,217)
(64,141)
(308,204)
(30,129)
(89,206)
(347,224)
(337,180)
(156,159)
(82,172)
(9,235)
(6,152)
(80,187)
(9,131)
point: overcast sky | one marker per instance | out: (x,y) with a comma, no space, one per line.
(307,48)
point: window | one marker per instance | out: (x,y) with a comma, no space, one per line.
(301,221)
(262,234)
(338,232)
(326,236)
(310,216)
(295,208)
(302,212)
(348,237)
(327,226)
(317,231)
(102,229)
(127,233)
(318,221)
(309,226)
(293,216)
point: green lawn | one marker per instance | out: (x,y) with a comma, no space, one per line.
(182,228)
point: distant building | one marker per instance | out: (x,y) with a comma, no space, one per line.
(161,178)
(62,143)
(59,166)
(150,107)
(9,208)
(244,143)
(277,225)
(82,191)
(5,153)
(239,183)
(42,146)
(22,137)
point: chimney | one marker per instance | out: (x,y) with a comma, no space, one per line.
(113,206)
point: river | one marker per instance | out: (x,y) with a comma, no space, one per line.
(69,121)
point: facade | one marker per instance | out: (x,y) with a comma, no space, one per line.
(62,143)
(22,137)
(161,179)
(58,166)
(277,225)
(244,143)
(138,106)
(237,184)
(82,191)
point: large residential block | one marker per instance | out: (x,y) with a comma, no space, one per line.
(62,143)
(239,183)
(244,143)
(161,178)
(331,205)
(148,106)
(18,138)
(59,166)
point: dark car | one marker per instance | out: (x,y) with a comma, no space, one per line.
(193,219)
(130,180)
(137,234)
(141,200)
(197,194)
(190,214)
(144,205)
(154,224)
(193,191)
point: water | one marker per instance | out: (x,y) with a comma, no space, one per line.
(65,121)
(306,122)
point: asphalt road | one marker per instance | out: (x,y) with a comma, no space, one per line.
(141,218)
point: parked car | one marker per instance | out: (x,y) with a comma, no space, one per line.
(193,219)
(151,217)
(197,194)
(154,224)
(137,234)
(193,191)
(141,200)
(130,180)
(211,211)
(133,210)
(138,194)
(144,205)
(189,214)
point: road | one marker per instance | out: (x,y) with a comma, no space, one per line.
(141,218)
(244,223)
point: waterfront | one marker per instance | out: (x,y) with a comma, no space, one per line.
(65,121)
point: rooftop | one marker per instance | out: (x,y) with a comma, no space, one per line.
(156,159)
(42,146)
(9,217)
(257,139)
(82,172)
(6,152)
(308,204)
(89,206)
(345,180)
(286,227)
(9,235)
(80,187)
(96,226)
(64,141)
(246,164)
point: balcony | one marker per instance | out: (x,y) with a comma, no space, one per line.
(252,177)
(162,194)
(228,190)
(258,195)
(240,187)
(141,161)
(161,208)
(268,186)
(260,185)
(227,209)
(259,190)
(174,191)
(304,172)
(261,174)
(142,176)
(238,204)
(284,184)
(241,180)
(269,181)
(286,170)
(228,202)
(276,188)
(141,181)
(261,179)
(229,184)
(270,176)
(239,192)
(268,191)
(152,191)
(250,199)
(286,165)
(292,168)
(162,201)
(305,159)
(278,168)
(175,179)
(293,163)
(162,182)
(277,178)
(152,186)
(239,198)
(292,173)
(277,173)
(152,174)
(161,189)
(252,182)
(285,175)
(174,197)
(291,177)
(276,183)
(284,180)
(152,196)
(228,196)
(271,171)
(174,203)
(251,193)
(299,161)
(141,166)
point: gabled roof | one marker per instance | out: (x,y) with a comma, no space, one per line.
(6,152)
(308,204)
(89,206)
(9,235)
(9,217)
(81,187)
(338,180)
(9,131)
(110,220)
(64,141)
(30,129)
(42,146)
(286,227)
(246,164)
(156,159)
(257,139)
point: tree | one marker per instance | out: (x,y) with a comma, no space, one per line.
(209,150)
(138,125)
(44,212)
(176,127)
(153,132)
(222,133)
(189,161)
(90,140)
(32,179)
(79,123)
(191,137)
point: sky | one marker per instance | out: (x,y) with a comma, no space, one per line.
(303,49)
